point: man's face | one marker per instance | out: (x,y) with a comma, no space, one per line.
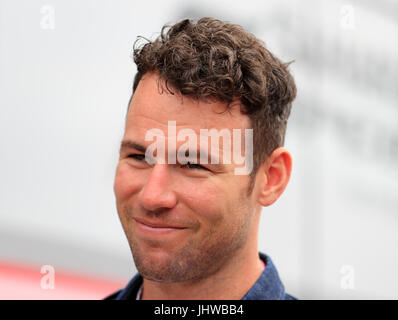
(182,222)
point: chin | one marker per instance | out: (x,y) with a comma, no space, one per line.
(163,267)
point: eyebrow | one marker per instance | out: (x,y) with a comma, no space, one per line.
(128,144)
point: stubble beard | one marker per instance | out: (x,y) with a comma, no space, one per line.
(194,260)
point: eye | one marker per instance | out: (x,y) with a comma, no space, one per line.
(191,165)
(136,156)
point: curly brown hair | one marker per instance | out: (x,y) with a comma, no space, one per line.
(209,59)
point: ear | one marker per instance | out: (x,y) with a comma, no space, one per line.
(274,174)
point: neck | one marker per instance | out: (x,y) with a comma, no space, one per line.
(230,282)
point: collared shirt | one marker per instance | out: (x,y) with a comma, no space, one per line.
(267,287)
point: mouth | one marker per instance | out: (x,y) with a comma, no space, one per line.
(153,228)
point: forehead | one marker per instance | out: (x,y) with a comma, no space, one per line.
(152,107)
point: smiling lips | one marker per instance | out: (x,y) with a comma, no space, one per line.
(153,228)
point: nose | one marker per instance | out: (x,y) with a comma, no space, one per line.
(157,193)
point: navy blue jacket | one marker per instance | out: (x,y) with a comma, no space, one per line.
(267,287)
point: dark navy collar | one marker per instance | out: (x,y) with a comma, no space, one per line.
(267,287)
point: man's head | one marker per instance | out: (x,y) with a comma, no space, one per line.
(192,74)
(214,60)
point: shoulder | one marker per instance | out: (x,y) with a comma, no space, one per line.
(129,292)
(113,295)
(289,297)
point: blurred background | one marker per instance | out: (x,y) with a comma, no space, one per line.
(66,75)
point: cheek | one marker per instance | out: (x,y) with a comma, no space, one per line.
(218,202)
(208,200)
(127,182)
